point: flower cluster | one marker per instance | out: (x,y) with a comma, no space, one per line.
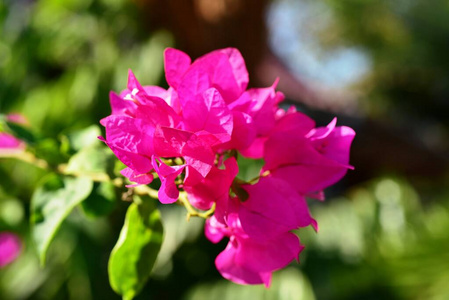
(190,135)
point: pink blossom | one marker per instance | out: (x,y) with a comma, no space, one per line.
(214,188)
(309,162)
(190,136)
(10,247)
(272,208)
(168,193)
(7,141)
(247,260)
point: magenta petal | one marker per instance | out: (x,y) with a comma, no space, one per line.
(214,230)
(214,187)
(9,142)
(156,111)
(17,118)
(119,106)
(247,261)
(210,114)
(138,178)
(156,91)
(261,105)
(297,123)
(176,64)
(168,192)
(284,148)
(133,84)
(198,155)
(270,209)
(270,254)
(170,142)
(217,67)
(264,109)
(190,90)
(309,164)
(226,263)
(238,67)
(334,143)
(310,178)
(10,247)
(131,141)
(256,149)
(243,132)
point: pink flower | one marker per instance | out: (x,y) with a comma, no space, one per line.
(8,142)
(272,208)
(190,136)
(309,162)
(10,247)
(214,188)
(247,260)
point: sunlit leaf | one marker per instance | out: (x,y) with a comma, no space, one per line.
(83,138)
(51,203)
(91,160)
(22,132)
(136,250)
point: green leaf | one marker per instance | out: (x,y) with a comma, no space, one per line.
(22,132)
(101,201)
(91,160)
(48,149)
(82,138)
(249,168)
(133,256)
(51,203)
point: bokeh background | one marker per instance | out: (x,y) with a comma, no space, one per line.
(380,66)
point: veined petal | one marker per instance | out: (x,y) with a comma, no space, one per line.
(176,63)
(131,140)
(168,192)
(214,187)
(209,114)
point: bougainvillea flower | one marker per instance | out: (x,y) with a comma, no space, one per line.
(8,142)
(191,135)
(10,247)
(168,192)
(195,150)
(138,178)
(246,260)
(308,162)
(131,141)
(214,188)
(209,115)
(250,261)
(273,207)
(222,69)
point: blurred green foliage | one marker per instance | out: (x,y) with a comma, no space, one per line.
(60,59)
(407,43)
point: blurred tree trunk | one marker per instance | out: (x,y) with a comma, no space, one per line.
(200,26)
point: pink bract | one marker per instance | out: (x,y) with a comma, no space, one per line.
(191,135)
(7,141)
(10,247)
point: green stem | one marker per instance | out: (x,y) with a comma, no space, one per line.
(192,212)
(25,157)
